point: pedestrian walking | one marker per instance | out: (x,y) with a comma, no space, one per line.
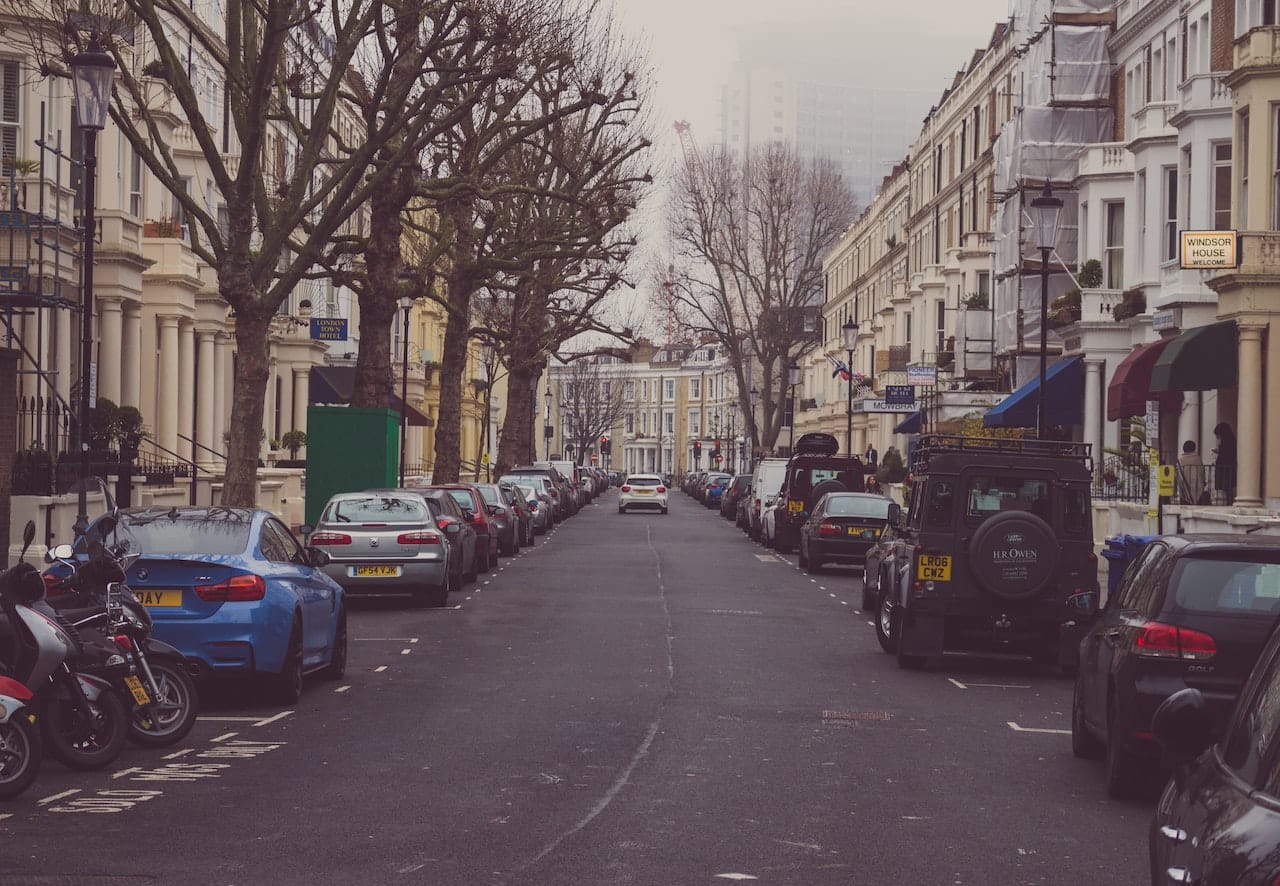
(1191,475)
(1224,467)
(872,457)
(873,485)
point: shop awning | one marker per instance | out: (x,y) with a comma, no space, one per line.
(1201,359)
(1130,386)
(1064,399)
(911,424)
(332,385)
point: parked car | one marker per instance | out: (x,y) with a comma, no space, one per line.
(877,562)
(566,496)
(386,542)
(234,591)
(462,543)
(523,513)
(714,489)
(841,528)
(642,491)
(1193,611)
(476,512)
(814,469)
(1218,821)
(540,507)
(505,521)
(545,485)
(729,501)
(766,481)
(742,510)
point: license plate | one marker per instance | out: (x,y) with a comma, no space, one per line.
(164,599)
(139,693)
(933,567)
(864,531)
(644,492)
(375,571)
(795,506)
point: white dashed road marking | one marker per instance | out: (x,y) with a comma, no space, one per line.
(379,669)
(1016,728)
(342,689)
(69,793)
(225,736)
(270,720)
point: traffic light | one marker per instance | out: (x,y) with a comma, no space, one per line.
(697,449)
(605,446)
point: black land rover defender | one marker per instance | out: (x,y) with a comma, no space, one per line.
(813,471)
(994,554)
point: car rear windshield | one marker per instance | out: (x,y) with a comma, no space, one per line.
(463,498)
(988,495)
(490,494)
(164,535)
(376,509)
(1226,584)
(644,481)
(805,478)
(858,506)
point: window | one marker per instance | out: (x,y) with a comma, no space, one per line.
(668,389)
(644,390)
(1253,730)
(629,390)
(629,423)
(1113,255)
(988,495)
(9,119)
(695,422)
(1170,199)
(669,422)
(1242,217)
(1205,584)
(1222,186)
(135,183)
(1275,172)
(695,389)
(606,389)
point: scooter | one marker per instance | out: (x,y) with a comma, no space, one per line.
(20,747)
(82,721)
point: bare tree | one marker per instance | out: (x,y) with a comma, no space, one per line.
(592,402)
(749,239)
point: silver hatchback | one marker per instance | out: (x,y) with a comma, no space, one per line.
(384,542)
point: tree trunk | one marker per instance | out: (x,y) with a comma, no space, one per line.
(453,365)
(248,403)
(519,425)
(382,286)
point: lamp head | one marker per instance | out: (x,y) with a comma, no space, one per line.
(92,71)
(849,335)
(1045,210)
(754,396)
(793,373)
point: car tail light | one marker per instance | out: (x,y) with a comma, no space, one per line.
(329,538)
(1156,640)
(418,538)
(662,489)
(828,529)
(238,589)
(442,522)
(124,642)
(626,488)
(755,506)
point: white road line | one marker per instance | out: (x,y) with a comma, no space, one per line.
(6,815)
(270,720)
(832,596)
(957,683)
(960,685)
(204,719)
(414,640)
(176,754)
(342,689)
(405,651)
(225,736)
(872,623)
(389,639)
(123,772)
(69,793)
(379,669)
(844,602)
(1016,728)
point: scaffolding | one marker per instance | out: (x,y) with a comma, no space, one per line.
(1062,103)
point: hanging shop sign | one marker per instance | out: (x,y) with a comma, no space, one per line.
(922,376)
(1210,250)
(329,328)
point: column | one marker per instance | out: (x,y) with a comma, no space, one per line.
(167,417)
(111,322)
(205,403)
(186,387)
(286,399)
(301,378)
(131,357)
(1093,388)
(1249,410)
(63,348)
(221,383)
(1189,422)
(269,411)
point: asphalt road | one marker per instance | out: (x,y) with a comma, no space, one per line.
(638,699)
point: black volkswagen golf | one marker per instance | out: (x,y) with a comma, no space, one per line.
(1193,611)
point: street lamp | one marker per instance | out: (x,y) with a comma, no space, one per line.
(92,72)
(546,428)
(849,335)
(1045,210)
(406,304)
(793,376)
(754,397)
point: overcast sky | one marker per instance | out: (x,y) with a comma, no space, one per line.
(692,44)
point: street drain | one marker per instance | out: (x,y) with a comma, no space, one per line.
(835,718)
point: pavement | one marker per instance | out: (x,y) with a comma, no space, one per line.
(637,699)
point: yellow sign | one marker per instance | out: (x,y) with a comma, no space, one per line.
(484,458)
(1210,250)
(1164,480)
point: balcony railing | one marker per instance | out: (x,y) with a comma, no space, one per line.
(1152,121)
(1204,92)
(1259,48)
(1108,158)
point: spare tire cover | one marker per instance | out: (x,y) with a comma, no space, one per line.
(823,488)
(1013,555)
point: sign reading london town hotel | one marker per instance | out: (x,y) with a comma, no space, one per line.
(1210,250)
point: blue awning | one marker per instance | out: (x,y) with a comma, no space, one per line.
(1064,399)
(911,424)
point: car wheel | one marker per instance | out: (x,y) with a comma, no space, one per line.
(483,561)
(337,666)
(801,558)
(286,686)
(869,591)
(885,625)
(905,662)
(1084,744)
(621,509)
(814,564)
(1124,769)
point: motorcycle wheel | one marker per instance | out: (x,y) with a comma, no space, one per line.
(85,748)
(172,714)
(20,754)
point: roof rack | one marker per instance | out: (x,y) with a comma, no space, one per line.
(931,445)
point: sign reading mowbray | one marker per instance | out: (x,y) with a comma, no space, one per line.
(1210,250)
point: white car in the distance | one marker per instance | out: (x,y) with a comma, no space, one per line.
(642,491)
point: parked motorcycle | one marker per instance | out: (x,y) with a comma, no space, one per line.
(82,721)
(20,747)
(150,674)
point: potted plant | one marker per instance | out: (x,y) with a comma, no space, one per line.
(293,441)
(1090,276)
(1132,303)
(976,301)
(1065,309)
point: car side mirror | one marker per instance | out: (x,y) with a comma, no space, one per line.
(495,509)
(1181,726)
(306,529)
(317,558)
(452,528)
(895,514)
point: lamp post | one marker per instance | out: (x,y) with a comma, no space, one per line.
(849,335)
(91,74)
(1045,210)
(734,465)
(406,304)
(754,396)
(546,428)
(793,376)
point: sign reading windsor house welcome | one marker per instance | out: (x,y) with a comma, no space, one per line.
(1210,250)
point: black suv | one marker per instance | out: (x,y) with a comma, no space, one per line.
(994,554)
(813,470)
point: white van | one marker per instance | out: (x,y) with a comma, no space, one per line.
(765,483)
